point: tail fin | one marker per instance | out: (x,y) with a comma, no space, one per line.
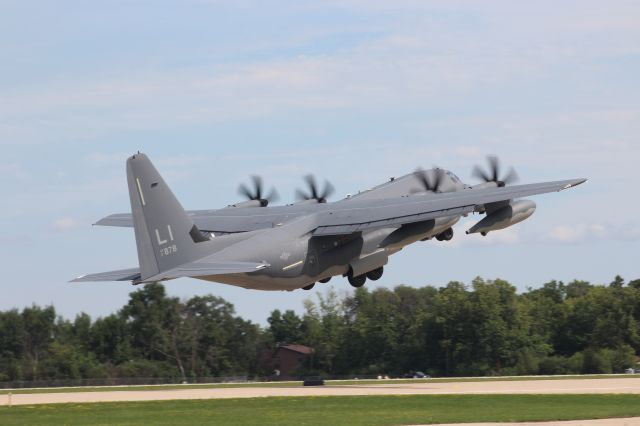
(166,237)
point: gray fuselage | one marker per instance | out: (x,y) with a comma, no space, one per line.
(297,259)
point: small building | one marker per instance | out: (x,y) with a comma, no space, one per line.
(286,361)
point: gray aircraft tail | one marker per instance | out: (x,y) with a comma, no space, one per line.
(169,244)
(166,237)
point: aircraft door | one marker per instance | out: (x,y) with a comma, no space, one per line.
(311,265)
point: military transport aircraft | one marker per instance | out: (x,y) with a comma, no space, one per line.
(253,245)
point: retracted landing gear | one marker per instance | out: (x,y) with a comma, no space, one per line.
(376,274)
(445,235)
(357,281)
(325,280)
(308,287)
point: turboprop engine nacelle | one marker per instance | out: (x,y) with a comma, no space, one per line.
(250,203)
(514,212)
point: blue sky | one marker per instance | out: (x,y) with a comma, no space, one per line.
(354,91)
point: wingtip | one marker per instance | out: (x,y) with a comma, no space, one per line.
(575,182)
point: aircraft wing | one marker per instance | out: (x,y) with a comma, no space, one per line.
(358,214)
(392,212)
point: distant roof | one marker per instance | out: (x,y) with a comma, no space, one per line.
(306,350)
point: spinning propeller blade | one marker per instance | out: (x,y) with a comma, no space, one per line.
(257,193)
(314,192)
(429,182)
(493,174)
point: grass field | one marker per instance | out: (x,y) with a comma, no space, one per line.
(299,383)
(349,410)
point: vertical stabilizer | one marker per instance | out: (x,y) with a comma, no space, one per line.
(166,237)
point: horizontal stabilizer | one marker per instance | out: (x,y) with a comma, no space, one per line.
(193,269)
(118,219)
(120,275)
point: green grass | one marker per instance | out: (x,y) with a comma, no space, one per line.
(330,410)
(299,383)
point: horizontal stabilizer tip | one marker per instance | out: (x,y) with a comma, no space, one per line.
(130,274)
(118,219)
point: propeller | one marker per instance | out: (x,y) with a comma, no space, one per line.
(314,192)
(493,174)
(257,193)
(429,182)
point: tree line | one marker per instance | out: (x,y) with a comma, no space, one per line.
(485,328)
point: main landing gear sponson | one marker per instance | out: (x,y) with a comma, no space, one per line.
(445,235)
(308,287)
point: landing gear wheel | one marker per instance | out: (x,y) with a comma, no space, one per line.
(309,287)
(376,274)
(445,235)
(357,281)
(325,280)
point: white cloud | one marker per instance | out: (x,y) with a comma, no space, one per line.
(423,56)
(67,223)
(584,232)
(576,233)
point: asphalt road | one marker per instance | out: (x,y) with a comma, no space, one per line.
(575,386)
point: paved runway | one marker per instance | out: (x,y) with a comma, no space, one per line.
(616,385)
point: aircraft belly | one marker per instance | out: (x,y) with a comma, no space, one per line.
(261,282)
(298,263)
